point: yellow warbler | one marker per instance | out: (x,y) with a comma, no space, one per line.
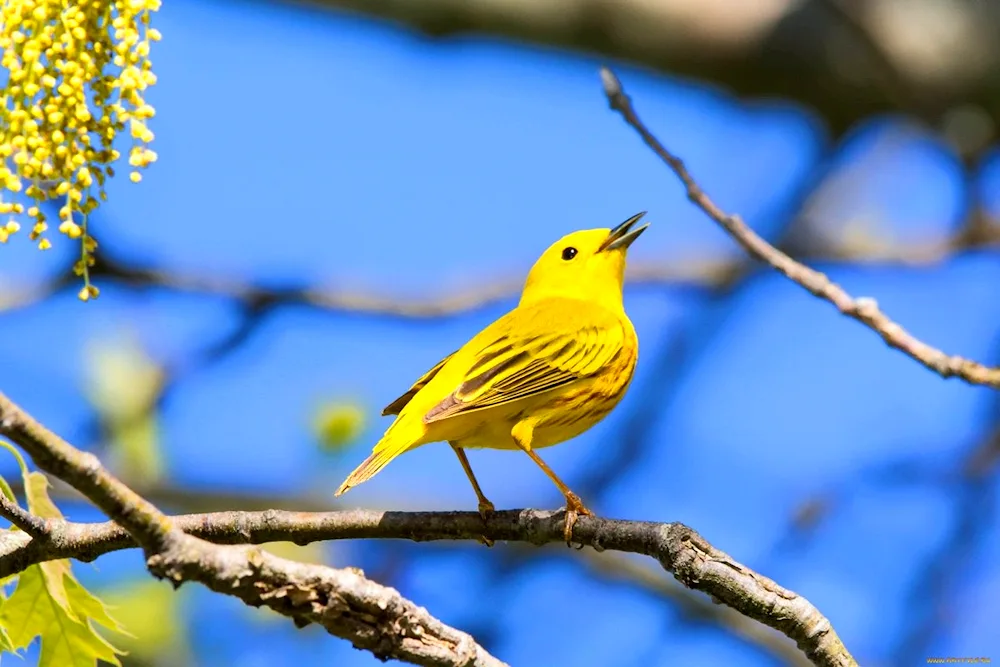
(543,373)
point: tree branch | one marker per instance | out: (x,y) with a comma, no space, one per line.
(371,616)
(34,526)
(863,309)
(708,272)
(797,50)
(678,548)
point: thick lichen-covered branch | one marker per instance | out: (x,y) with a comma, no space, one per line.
(678,548)
(373,617)
(862,309)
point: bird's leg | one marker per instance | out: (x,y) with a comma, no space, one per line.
(574,506)
(485,506)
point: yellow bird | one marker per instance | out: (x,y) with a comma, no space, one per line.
(543,373)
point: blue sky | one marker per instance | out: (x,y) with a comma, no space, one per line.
(303,148)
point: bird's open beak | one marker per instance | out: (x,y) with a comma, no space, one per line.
(623,235)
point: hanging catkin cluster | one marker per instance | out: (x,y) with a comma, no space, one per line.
(76,75)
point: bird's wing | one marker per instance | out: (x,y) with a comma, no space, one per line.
(527,360)
(396,406)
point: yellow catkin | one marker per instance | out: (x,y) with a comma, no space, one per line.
(77,76)
(543,373)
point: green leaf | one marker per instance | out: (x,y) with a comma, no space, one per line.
(17,455)
(50,603)
(91,606)
(36,490)
(65,641)
(5,643)
(4,486)
(6,490)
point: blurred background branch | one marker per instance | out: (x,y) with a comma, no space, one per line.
(712,274)
(848,59)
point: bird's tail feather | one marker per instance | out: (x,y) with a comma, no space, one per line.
(386,450)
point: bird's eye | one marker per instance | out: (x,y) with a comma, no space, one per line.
(569,253)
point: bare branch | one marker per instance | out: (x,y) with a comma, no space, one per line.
(84,472)
(373,617)
(864,309)
(34,526)
(678,548)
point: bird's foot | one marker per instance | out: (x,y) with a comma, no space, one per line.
(486,510)
(574,508)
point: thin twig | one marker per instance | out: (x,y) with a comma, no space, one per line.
(35,526)
(373,617)
(864,309)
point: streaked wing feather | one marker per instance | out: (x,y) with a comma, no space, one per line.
(536,377)
(396,406)
(515,367)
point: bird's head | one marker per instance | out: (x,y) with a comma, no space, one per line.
(587,265)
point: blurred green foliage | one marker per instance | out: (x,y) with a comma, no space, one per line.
(337,424)
(159,632)
(124,384)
